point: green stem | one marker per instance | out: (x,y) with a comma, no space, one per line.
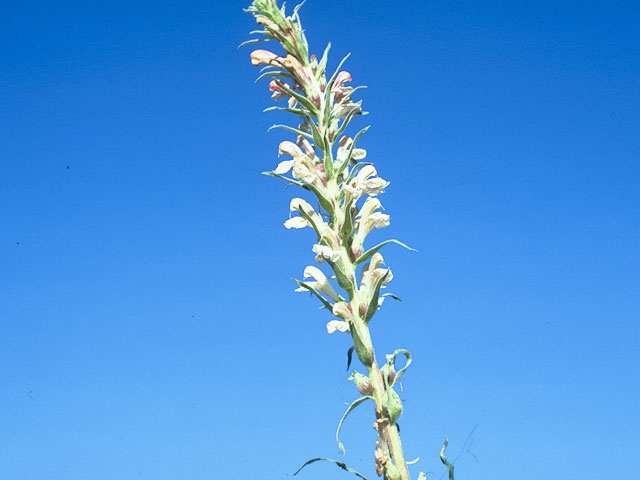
(389,431)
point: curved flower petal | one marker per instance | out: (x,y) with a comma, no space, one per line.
(322,282)
(296,222)
(358,154)
(301,205)
(341,78)
(369,206)
(284,167)
(325,253)
(342,310)
(337,325)
(290,148)
(264,57)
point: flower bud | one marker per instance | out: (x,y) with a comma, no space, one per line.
(393,405)
(391,472)
(264,57)
(365,353)
(363,383)
(388,374)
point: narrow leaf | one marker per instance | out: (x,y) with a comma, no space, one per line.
(342,465)
(335,74)
(353,405)
(400,372)
(314,292)
(395,297)
(286,179)
(291,129)
(274,74)
(346,121)
(444,459)
(252,41)
(299,97)
(322,65)
(369,253)
(297,7)
(295,111)
(353,145)
(347,227)
(373,305)
(350,356)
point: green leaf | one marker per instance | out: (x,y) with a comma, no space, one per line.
(297,7)
(346,121)
(299,97)
(322,64)
(286,179)
(355,169)
(252,41)
(317,138)
(304,215)
(274,74)
(291,129)
(324,203)
(444,459)
(395,297)
(341,465)
(335,74)
(344,281)
(353,145)
(369,253)
(400,372)
(347,227)
(350,356)
(353,405)
(295,111)
(373,304)
(315,292)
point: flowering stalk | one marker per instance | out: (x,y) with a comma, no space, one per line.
(325,161)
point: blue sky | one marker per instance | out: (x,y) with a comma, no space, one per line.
(148,323)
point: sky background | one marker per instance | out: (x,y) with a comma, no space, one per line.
(148,325)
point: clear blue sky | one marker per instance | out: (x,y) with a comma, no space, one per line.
(148,325)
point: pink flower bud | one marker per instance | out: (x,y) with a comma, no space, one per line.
(342,78)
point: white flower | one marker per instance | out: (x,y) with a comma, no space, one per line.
(301,205)
(358,154)
(306,145)
(290,148)
(265,57)
(337,325)
(369,206)
(342,310)
(344,109)
(296,222)
(376,260)
(344,146)
(365,182)
(321,282)
(304,169)
(325,253)
(302,165)
(284,167)
(372,272)
(375,186)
